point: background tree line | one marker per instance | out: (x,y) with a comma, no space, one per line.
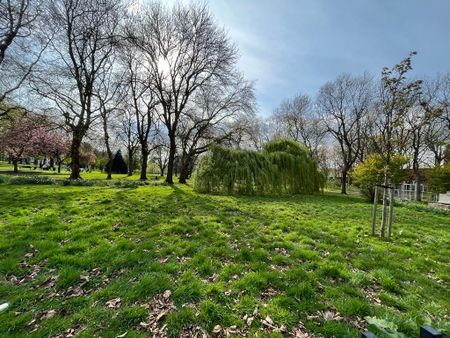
(160,83)
(354,118)
(150,78)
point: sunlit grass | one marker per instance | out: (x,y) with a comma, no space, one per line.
(292,258)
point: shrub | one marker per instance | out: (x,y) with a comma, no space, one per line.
(282,167)
(118,164)
(34,179)
(439,179)
(369,173)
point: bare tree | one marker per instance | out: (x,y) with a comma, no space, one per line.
(343,107)
(110,95)
(214,117)
(20,48)
(161,153)
(183,49)
(85,34)
(143,102)
(417,119)
(397,96)
(436,94)
(295,118)
(127,133)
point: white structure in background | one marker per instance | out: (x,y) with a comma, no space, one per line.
(444,198)
(407,192)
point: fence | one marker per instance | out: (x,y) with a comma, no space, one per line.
(407,192)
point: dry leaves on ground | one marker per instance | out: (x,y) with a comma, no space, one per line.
(159,307)
(114,303)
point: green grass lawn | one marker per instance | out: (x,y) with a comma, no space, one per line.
(97,261)
(92,175)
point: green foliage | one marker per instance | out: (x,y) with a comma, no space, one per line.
(371,172)
(118,165)
(220,256)
(439,179)
(386,327)
(32,179)
(282,167)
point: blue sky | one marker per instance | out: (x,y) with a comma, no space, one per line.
(295,46)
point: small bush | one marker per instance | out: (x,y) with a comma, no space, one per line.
(371,172)
(35,179)
(439,180)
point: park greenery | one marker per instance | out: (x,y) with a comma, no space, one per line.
(141,193)
(97,260)
(282,167)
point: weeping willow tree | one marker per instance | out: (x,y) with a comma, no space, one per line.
(282,167)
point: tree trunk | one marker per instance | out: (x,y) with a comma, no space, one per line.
(417,194)
(144,165)
(184,173)
(170,163)
(130,162)
(109,164)
(344,182)
(109,169)
(14,161)
(75,154)
(59,167)
(108,148)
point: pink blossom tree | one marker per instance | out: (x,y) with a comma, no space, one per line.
(56,145)
(31,135)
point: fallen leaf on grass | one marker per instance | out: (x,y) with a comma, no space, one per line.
(330,315)
(71,332)
(217,329)
(300,332)
(269,293)
(113,303)
(164,260)
(48,314)
(167,294)
(268,322)
(159,307)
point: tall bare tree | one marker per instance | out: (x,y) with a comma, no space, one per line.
(143,103)
(20,47)
(127,133)
(183,50)
(110,95)
(85,33)
(296,119)
(214,116)
(343,106)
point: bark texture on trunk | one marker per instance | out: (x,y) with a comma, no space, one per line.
(130,163)
(75,154)
(144,165)
(344,182)
(171,162)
